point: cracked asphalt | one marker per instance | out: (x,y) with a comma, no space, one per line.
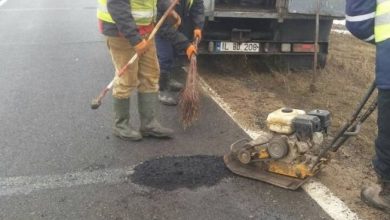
(53,62)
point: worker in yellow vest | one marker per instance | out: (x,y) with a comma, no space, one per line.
(369,20)
(126,24)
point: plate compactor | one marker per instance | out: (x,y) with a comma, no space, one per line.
(297,146)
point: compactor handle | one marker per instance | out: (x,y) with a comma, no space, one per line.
(355,132)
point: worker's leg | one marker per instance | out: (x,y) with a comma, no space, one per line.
(165,59)
(165,53)
(121,52)
(378,196)
(148,75)
(382,158)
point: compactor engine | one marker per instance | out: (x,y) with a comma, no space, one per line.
(290,148)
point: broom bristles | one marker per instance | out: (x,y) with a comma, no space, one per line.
(189,97)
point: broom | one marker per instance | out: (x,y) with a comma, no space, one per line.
(189,96)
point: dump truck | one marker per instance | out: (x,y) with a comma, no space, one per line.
(281,29)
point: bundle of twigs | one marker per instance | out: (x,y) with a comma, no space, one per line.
(189,97)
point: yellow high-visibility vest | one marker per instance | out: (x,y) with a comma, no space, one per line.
(144,11)
(382,20)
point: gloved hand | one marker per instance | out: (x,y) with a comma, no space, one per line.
(191,50)
(198,33)
(177,19)
(141,47)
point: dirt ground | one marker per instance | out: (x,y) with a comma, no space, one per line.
(253,89)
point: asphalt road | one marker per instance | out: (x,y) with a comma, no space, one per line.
(59,160)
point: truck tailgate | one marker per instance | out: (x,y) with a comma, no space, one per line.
(334,8)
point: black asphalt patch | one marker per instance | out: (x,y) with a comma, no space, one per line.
(170,173)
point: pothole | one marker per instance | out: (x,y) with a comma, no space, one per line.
(170,173)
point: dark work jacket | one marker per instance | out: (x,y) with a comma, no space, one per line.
(360,21)
(192,18)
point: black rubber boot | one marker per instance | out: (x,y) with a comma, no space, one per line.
(122,128)
(166,96)
(164,81)
(175,85)
(377,196)
(150,127)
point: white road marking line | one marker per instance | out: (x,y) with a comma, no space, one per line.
(332,205)
(2,2)
(226,108)
(10,186)
(37,9)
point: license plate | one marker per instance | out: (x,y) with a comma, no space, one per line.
(238,47)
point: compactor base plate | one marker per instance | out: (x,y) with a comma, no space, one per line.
(256,171)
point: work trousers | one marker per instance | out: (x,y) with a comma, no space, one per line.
(382,144)
(166,58)
(143,74)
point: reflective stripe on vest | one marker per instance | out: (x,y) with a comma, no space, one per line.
(382,21)
(143,11)
(360,17)
(189,4)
